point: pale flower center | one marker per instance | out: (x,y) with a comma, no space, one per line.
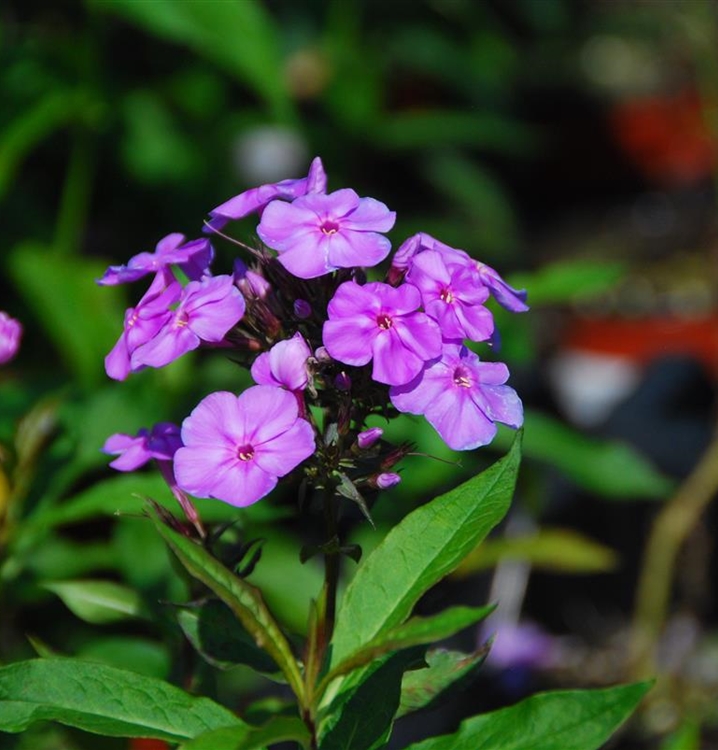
(330,227)
(446,296)
(384,321)
(462,377)
(245,453)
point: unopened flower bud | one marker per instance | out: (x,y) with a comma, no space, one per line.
(342,382)
(386,480)
(322,355)
(302,309)
(367,438)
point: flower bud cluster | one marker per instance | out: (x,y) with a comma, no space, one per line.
(326,348)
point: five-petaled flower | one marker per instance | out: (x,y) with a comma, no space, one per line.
(237,447)
(377,321)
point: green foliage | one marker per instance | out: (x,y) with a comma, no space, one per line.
(611,469)
(445,672)
(99,602)
(279,729)
(244,600)
(449,527)
(558,550)
(103,700)
(571,720)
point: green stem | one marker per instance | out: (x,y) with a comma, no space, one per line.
(75,199)
(670,529)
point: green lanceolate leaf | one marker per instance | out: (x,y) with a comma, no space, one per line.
(361,719)
(557,550)
(103,700)
(427,545)
(242,598)
(279,729)
(570,720)
(213,631)
(417,631)
(98,602)
(446,671)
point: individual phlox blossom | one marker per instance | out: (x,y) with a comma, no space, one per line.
(207,310)
(237,447)
(10,335)
(133,451)
(461,397)
(377,321)
(319,233)
(411,249)
(452,297)
(284,365)
(257,198)
(193,258)
(142,323)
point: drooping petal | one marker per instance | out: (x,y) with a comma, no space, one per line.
(349,249)
(459,421)
(394,364)
(370,215)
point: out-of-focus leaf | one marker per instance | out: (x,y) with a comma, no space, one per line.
(427,545)
(362,718)
(103,700)
(686,737)
(278,729)
(58,558)
(154,148)
(240,37)
(570,720)
(481,197)
(55,110)
(417,631)
(139,655)
(60,291)
(214,632)
(611,469)
(98,602)
(243,599)
(445,670)
(434,128)
(559,550)
(569,280)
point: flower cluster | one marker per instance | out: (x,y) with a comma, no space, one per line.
(313,332)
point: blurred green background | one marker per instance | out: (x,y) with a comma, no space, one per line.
(569,144)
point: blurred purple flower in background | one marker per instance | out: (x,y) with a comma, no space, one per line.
(10,335)
(237,447)
(161,443)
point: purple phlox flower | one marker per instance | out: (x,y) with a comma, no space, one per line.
(133,451)
(258,198)
(250,283)
(379,322)
(386,480)
(461,397)
(194,258)
(10,335)
(512,299)
(237,447)
(367,438)
(207,310)
(522,644)
(319,233)
(160,443)
(419,243)
(451,297)
(284,365)
(142,323)
(414,247)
